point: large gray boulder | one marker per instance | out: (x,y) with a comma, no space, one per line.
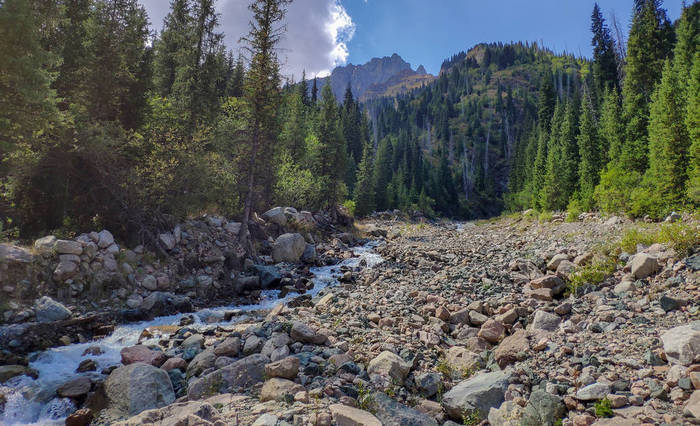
(642,265)
(682,344)
(239,375)
(288,248)
(49,310)
(479,393)
(133,388)
(276,215)
(393,413)
(45,246)
(390,365)
(543,409)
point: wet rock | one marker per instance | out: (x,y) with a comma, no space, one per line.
(682,344)
(142,354)
(82,417)
(480,393)
(270,276)
(9,371)
(49,310)
(134,388)
(75,388)
(390,365)
(86,365)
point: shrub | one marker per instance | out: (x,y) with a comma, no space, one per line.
(603,408)
(545,216)
(349,205)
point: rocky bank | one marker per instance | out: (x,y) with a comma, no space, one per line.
(461,324)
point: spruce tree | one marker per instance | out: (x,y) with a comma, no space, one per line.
(604,57)
(692,123)
(304,89)
(314,93)
(589,146)
(668,144)
(263,97)
(332,148)
(551,195)
(688,40)
(611,127)
(364,195)
(649,44)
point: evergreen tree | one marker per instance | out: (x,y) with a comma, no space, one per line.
(382,173)
(604,57)
(304,89)
(262,95)
(237,79)
(27,104)
(588,144)
(73,70)
(552,194)
(649,44)
(688,40)
(692,123)
(364,195)
(171,46)
(547,157)
(294,128)
(332,149)
(611,127)
(668,144)
(314,93)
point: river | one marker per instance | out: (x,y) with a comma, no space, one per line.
(34,402)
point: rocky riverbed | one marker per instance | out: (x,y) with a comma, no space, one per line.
(512,321)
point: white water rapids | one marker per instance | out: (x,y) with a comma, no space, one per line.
(34,402)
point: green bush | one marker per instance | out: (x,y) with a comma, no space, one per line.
(679,236)
(350,207)
(603,408)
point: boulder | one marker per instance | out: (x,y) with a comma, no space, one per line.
(479,393)
(173,363)
(231,346)
(556,260)
(492,331)
(161,303)
(201,362)
(239,375)
(49,310)
(149,282)
(64,270)
(508,414)
(142,354)
(344,415)
(692,407)
(45,246)
(75,388)
(82,417)
(547,281)
(428,383)
(462,360)
(393,413)
(390,365)
(104,239)
(593,392)
(303,333)
(543,409)
(196,413)
(546,321)
(642,265)
(286,368)
(276,215)
(68,247)
(168,240)
(269,277)
(682,344)
(133,388)
(9,371)
(277,389)
(288,248)
(513,348)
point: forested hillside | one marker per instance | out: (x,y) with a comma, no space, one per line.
(519,127)
(104,123)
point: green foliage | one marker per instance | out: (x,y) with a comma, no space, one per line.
(680,236)
(614,192)
(692,123)
(471,417)
(603,408)
(594,273)
(365,399)
(545,216)
(350,207)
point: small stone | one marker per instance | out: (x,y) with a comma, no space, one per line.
(545,321)
(593,392)
(642,265)
(344,415)
(492,331)
(286,368)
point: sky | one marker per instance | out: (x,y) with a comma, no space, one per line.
(323,34)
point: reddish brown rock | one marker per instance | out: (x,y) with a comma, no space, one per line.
(141,353)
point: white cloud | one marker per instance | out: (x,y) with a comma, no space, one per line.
(318,32)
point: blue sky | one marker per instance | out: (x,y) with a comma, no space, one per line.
(428,32)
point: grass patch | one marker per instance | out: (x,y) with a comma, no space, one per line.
(471,417)
(365,400)
(443,367)
(545,216)
(603,408)
(679,236)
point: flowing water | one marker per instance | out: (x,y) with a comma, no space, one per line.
(34,402)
